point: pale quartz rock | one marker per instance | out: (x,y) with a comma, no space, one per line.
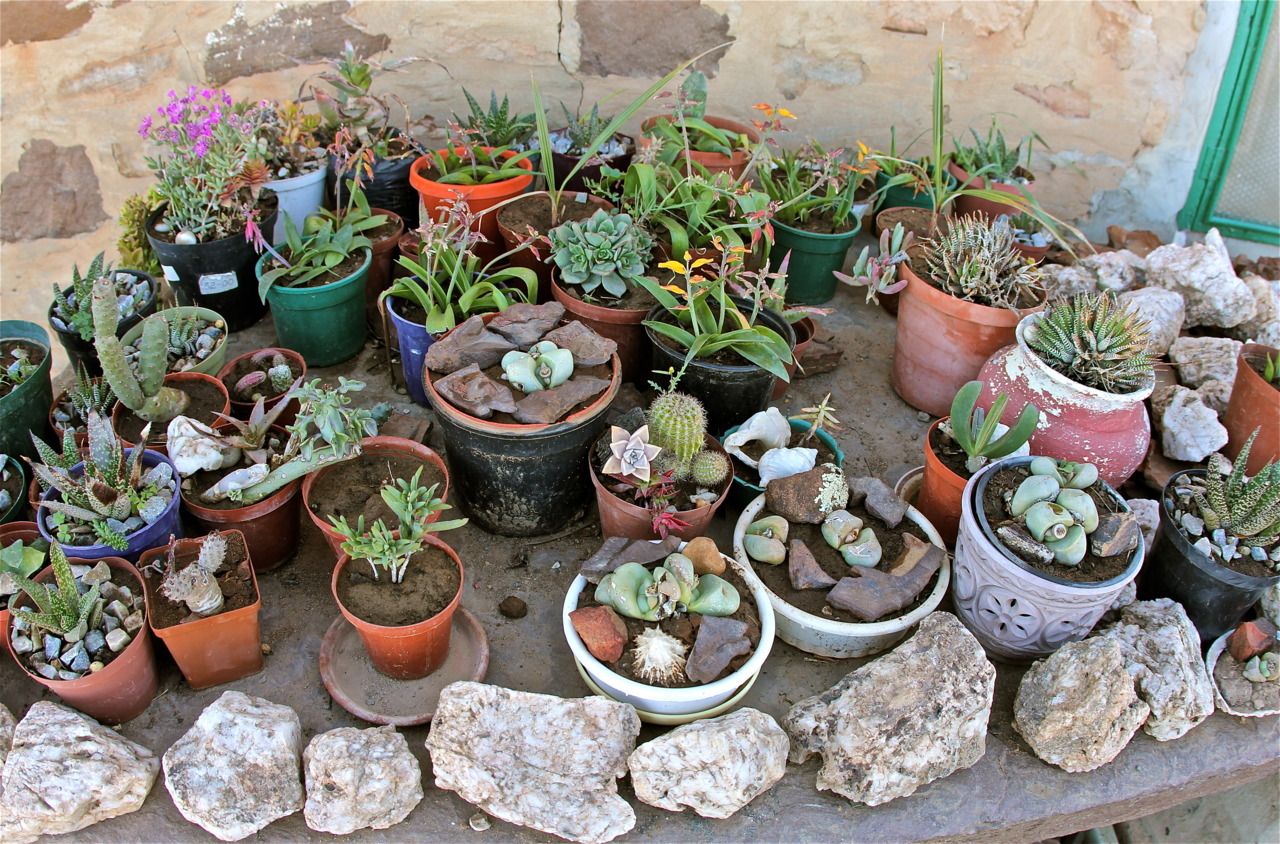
(360,779)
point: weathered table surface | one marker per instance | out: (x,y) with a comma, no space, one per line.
(1009,795)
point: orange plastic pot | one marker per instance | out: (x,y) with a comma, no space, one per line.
(1254,404)
(158,440)
(411,651)
(942,342)
(622,518)
(941,491)
(242,409)
(214,650)
(381,266)
(437,197)
(986,207)
(270,526)
(124,687)
(525,258)
(714,162)
(804,336)
(372,447)
(624,327)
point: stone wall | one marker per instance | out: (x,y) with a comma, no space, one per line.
(1120,90)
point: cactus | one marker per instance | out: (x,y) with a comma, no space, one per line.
(975,260)
(1094,341)
(144,392)
(709,468)
(678,423)
(606,251)
(194,584)
(1249,512)
(60,608)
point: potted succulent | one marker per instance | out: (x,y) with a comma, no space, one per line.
(570,146)
(211,185)
(992,163)
(13,487)
(70,411)
(1044,548)
(1244,672)
(265,374)
(1030,236)
(117,501)
(1218,549)
(71,319)
(295,158)
(1255,403)
(662,476)
(316,283)
(958,445)
(196,340)
(26,390)
(670,669)
(879,273)
(85,638)
(967,307)
(406,637)
(22,553)
(707,144)
(1085,362)
(751,343)
(518,466)
(498,126)
(247,474)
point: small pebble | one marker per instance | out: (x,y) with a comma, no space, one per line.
(923,417)
(266,649)
(513,607)
(480,822)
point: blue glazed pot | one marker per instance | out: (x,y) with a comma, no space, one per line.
(151,536)
(414,342)
(743,493)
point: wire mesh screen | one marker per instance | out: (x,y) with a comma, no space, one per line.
(1251,190)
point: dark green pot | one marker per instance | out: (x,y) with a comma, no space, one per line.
(814,260)
(25,410)
(906,196)
(323,324)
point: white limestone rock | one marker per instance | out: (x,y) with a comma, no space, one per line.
(1201,359)
(1216,395)
(65,771)
(714,766)
(1077,708)
(912,716)
(1203,274)
(1162,310)
(1269,604)
(1264,326)
(1189,429)
(1162,653)
(238,768)
(1148,513)
(536,760)
(360,779)
(7,723)
(1116,271)
(1062,282)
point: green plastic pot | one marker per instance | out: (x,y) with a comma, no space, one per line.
(323,324)
(814,260)
(210,365)
(25,410)
(14,511)
(743,493)
(906,196)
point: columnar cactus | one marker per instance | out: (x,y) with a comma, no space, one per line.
(678,423)
(144,392)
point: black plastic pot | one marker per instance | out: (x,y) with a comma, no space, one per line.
(80,352)
(1214,596)
(389,188)
(578,183)
(730,394)
(218,275)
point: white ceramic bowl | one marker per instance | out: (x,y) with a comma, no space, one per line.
(1210,662)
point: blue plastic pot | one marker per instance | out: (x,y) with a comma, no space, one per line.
(743,493)
(414,342)
(151,536)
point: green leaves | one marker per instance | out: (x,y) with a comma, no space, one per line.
(973,429)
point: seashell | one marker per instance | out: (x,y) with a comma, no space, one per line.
(841,528)
(768,427)
(1033,489)
(785,462)
(1080,505)
(863,551)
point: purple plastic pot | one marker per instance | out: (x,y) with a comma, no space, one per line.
(414,342)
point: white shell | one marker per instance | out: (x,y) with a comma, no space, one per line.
(768,427)
(785,462)
(191,449)
(239,479)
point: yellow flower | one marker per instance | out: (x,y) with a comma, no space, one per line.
(674,266)
(782,112)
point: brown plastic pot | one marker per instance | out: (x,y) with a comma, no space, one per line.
(158,441)
(986,207)
(622,518)
(371,447)
(214,650)
(942,342)
(124,687)
(411,651)
(941,491)
(1254,404)
(524,257)
(714,162)
(622,326)
(381,264)
(804,329)
(270,526)
(242,409)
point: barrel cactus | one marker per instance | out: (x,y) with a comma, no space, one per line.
(709,468)
(678,423)
(607,250)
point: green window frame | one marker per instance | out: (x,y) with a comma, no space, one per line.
(1243,64)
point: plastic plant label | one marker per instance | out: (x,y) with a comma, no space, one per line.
(169,272)
(218,283)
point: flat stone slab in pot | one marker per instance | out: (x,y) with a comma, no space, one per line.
(367,693)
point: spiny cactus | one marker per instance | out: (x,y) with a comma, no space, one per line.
(607,251)
(194,584)
(709,468)
(1250,512)
(666,461)
(144,392)
(1094,341)
(975,260)
(678,423)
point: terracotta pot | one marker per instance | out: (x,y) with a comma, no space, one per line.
(985,207)
(121,690)
(1034,254)
(714,162)
(214,650)
(24,532)
(242,409)
(269,526)
(1077,423)
(436,198)
(158,441)
(541,267)
(1254,404)
(941,491)
(380,273)
(624,327)
(562,163)
(622,518)
(411,651)
(942,342)
(372,447)
(804,329)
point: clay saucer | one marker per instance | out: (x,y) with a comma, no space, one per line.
(366,693)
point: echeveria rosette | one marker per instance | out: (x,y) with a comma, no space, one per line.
(631,455)
(607,251)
